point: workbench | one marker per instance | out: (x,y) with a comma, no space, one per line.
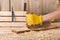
(6,27)
(6,19)
(50,34)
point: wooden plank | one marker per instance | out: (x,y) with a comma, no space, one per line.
(4,5)
(10,19)
(17,13)
(18,5)
(22,30)
(48,6)
(20,13)
(0,5)
(20,18)
(5,19)
(12,24)
(5,30)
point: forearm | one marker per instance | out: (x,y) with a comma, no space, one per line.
(53,15)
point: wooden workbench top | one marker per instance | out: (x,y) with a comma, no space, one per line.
(51,34)
(7,34)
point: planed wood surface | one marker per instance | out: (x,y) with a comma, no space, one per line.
(25,29)
(12,24)
(10,19)
(17,13)
(52,34)
(6,19)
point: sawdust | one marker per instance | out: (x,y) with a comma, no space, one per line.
(53,34)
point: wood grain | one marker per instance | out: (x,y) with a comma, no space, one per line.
(22,30)
(17,13)
(4,5)
(10,19)
(12,24)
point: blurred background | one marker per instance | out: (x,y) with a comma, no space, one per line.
(35,5)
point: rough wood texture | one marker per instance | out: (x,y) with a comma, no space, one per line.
(6,19)
(48,6)
(52,26)
(52,34)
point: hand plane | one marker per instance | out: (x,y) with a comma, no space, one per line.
(35,21)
